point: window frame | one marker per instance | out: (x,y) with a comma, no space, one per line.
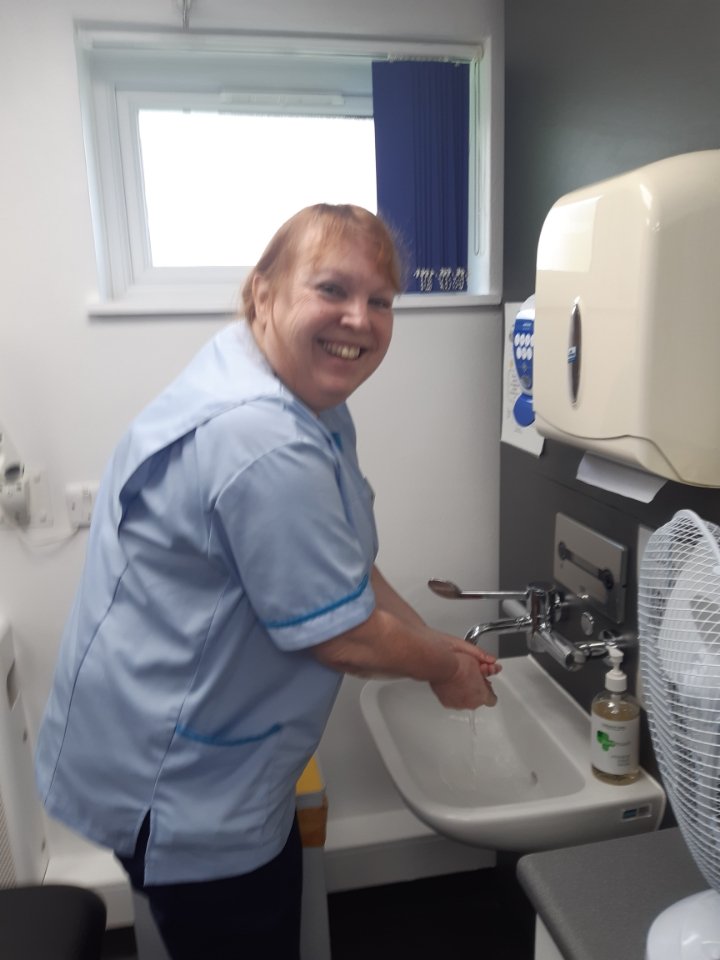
(123,71)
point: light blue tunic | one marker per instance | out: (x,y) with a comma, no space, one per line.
(233,530)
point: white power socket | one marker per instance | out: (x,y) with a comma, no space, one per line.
(80,500)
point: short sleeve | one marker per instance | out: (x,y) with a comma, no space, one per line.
(297,545)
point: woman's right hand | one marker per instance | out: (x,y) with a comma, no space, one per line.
(469,687)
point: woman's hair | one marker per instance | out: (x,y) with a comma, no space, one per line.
(334,223)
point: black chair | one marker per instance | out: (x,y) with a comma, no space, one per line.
(51,923)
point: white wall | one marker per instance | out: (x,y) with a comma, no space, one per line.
(428,421)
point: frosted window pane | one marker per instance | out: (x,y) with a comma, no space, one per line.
(218,185)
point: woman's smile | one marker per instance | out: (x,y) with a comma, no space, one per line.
(343,351)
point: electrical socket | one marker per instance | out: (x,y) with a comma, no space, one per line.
(80,500)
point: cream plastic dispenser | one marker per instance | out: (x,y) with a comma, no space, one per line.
(627,319)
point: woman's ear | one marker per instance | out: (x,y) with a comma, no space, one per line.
(262,299)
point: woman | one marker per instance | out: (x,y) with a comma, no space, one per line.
(229,583)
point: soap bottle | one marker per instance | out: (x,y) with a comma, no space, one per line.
(615,723)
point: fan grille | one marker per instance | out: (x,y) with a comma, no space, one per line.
(679,626)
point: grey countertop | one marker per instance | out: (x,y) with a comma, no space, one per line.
(598,900)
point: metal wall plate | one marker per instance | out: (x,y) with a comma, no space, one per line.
(591,566)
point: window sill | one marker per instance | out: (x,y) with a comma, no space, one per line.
(208,306)
(441,301)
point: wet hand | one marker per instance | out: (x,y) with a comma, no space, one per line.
(488,663)
(469,687)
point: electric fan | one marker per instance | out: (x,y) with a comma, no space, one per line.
(679,626)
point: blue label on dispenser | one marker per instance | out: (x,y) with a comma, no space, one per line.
(523,348)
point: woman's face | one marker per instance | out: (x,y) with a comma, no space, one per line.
(328,325)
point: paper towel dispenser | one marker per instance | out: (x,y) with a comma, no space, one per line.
(627,319)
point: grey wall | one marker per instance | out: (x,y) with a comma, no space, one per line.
(593,89)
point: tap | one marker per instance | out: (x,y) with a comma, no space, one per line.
(451,591)
(544,605)
(508,625)
(547,640)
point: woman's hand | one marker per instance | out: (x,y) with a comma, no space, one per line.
(487,662)
(469,687)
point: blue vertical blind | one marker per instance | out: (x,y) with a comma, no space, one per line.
(421,113)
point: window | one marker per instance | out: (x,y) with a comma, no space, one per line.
(199,146)
(198,165)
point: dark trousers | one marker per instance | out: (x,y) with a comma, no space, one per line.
(255,916)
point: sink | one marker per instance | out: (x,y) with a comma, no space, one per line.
(513,777)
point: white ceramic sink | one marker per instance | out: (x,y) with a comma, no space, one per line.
(512,777)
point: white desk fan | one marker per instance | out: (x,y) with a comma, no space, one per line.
(679,615)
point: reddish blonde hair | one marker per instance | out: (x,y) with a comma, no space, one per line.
(334,223)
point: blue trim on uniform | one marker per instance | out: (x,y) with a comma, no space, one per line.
(337,437)
(216,741)
(295,621)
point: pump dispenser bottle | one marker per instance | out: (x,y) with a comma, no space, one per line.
(615,722)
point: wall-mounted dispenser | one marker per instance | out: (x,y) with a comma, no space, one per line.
(627,334)
(24,494)
(14,483)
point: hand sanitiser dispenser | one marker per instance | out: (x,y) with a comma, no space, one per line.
(627,319)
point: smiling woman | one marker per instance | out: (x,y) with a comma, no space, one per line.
(234,534)
(326,326)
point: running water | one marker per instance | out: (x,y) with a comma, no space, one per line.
(483,766)
(474,740)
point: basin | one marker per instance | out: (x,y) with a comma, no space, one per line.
(512,777)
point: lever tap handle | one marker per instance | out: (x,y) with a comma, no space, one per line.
(451,591)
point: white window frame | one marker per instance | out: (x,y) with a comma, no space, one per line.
(122,71)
